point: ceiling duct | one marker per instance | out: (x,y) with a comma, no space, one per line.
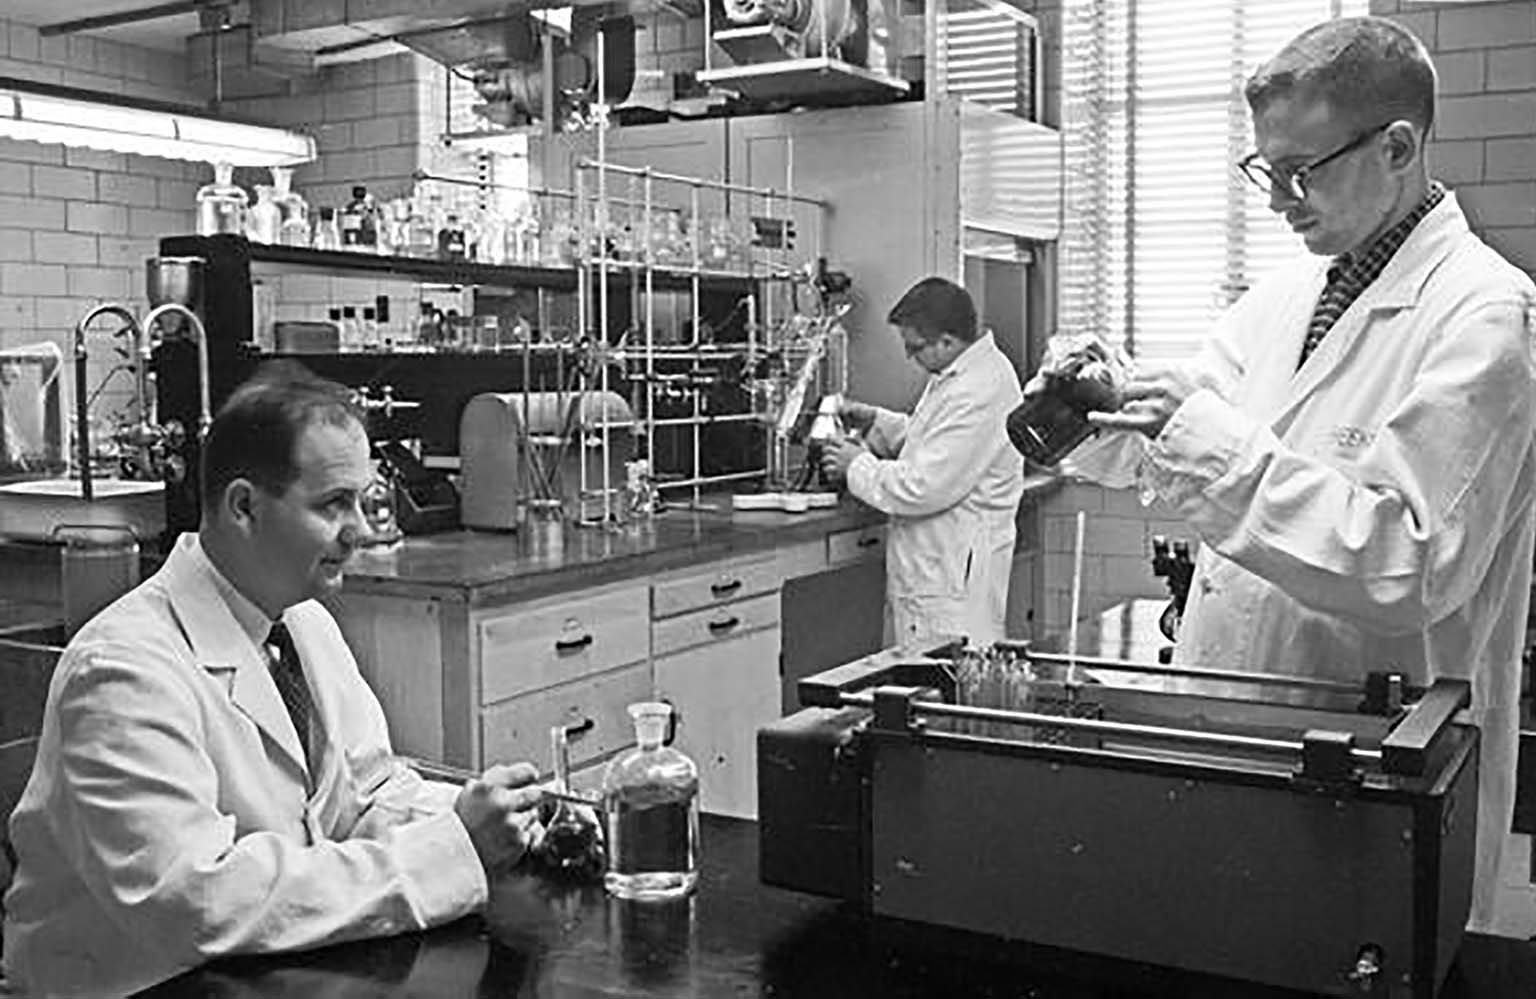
(540,62)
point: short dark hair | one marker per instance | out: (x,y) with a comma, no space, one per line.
(254,433)
(934,307)
(1371,69)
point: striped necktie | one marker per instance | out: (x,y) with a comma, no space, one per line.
(288,675)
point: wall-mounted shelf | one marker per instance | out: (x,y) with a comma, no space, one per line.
(465,272)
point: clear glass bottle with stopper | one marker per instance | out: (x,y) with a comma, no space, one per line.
(221,205)
(651,800)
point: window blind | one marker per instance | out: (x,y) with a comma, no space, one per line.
(1161,233)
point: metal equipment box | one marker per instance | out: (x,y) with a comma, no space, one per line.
(1290,832)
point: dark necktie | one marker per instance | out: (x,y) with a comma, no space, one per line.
(288,674)
(1330,306)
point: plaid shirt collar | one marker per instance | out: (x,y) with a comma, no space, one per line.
(1360,268)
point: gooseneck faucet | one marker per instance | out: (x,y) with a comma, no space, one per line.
(82,400)
(149,433)
(204,410)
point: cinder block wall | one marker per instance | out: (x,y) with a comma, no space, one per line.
(76,225)
(1484,141)
(1483,146)
(367,121)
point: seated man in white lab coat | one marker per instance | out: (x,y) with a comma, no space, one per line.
(946,474)
(213,776)
(1354,445)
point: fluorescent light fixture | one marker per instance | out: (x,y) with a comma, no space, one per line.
(43,112)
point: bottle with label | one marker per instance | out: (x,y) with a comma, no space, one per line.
(265,218)
(420,227)
(428,327)
(351,336)
(370,327)
(451,243)
(327,231)
(651,800)
(294,229)
(360,222)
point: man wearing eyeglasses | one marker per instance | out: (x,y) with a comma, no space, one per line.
(945,473)
(1354,444)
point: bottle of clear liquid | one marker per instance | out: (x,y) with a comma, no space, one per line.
(221,205)
(651,798)
(294,230)
(265,219)
(327,232)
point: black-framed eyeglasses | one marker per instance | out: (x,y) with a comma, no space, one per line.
(1293,181)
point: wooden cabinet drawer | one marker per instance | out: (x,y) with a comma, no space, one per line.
(859,543)
(519,729)
(715,624)
(715,583)
(562,638)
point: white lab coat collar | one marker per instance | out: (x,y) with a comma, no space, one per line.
(226,632)
(973,355)
(1398,287)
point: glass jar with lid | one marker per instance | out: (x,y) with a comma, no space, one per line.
(651,803)
(221,205)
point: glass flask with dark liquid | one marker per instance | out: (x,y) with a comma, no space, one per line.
(651,798)
(1047,426)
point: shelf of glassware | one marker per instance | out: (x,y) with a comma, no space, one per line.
(469,272)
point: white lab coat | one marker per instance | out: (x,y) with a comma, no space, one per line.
(166,821)
(1373,509)
(951,483)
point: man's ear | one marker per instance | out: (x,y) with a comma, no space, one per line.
(1404,144)
(238,503)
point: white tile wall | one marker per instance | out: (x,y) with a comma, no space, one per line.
(72,232)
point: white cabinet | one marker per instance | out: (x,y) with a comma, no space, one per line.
(722,693)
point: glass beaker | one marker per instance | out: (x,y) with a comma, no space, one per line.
(651,802)
(98,564)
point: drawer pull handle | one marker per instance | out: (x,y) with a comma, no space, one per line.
(724,624)
(868,542)
(722,589)
(573,644)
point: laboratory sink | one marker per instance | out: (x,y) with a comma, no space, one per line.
(35,508)
(28,654)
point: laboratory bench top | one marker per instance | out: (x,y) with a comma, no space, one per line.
(543,557)
(739,938)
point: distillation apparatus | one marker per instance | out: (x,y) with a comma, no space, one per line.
(629,221)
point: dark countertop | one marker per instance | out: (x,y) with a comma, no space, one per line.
(483,567)
(738,938)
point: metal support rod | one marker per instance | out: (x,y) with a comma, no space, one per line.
(717,185)
(1196,673)
(1218,740)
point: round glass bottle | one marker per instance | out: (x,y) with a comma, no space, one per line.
(651,799)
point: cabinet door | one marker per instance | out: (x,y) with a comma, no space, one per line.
(723,693)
